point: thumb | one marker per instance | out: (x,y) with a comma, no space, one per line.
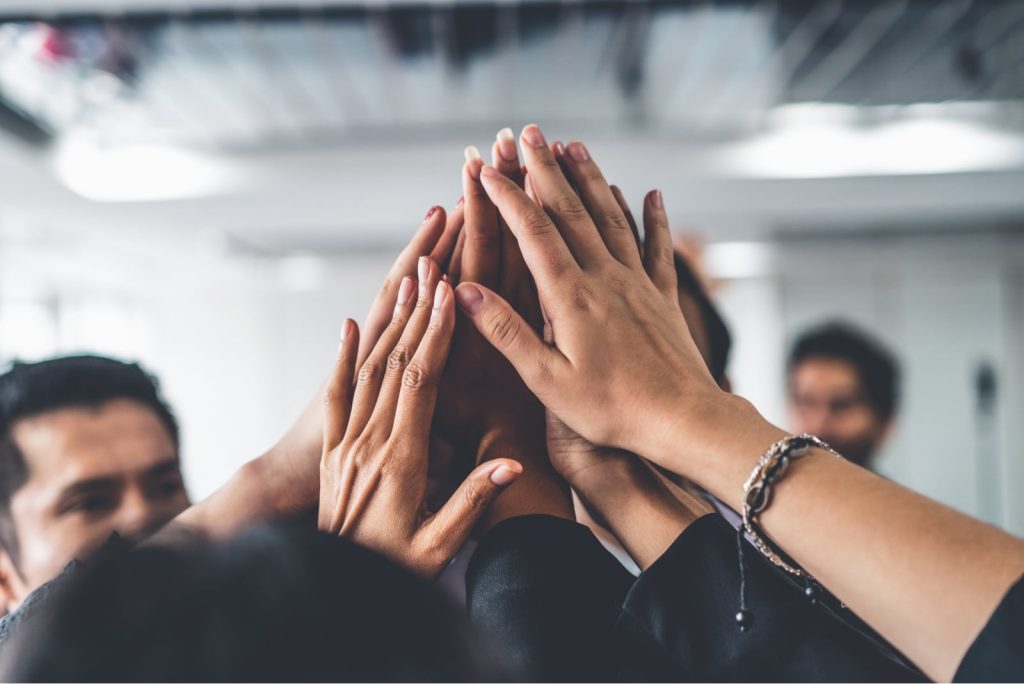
(507,332)
(450,527)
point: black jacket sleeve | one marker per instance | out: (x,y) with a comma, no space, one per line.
(997,654)
(678,622)
(546,592)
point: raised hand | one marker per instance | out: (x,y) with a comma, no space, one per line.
(373,472)
(623,366)
(485,410)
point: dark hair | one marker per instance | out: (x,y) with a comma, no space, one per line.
(32,389)
(719,339)
(876,368)
(273,604)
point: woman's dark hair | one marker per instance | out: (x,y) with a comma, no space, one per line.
(274,604)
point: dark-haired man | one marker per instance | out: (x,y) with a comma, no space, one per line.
(843,387)
(87,447)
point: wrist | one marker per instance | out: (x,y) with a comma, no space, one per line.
(714,444)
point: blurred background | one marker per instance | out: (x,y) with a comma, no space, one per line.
(210,187)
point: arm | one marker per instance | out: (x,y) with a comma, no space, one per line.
(626,373)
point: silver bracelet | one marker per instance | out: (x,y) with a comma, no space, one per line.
(758,488)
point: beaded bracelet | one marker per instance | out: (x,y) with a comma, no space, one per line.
(757,491)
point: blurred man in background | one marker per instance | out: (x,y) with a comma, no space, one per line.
(843,387)
(87,447)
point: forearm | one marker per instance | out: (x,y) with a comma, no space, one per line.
(636,507)
(538,491)
(923,575)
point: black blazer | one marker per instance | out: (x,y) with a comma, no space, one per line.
(564,609)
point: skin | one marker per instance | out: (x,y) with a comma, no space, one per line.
(377,425)
(826,399)
(624,372)
(284,482)
(485,409)
(92,471)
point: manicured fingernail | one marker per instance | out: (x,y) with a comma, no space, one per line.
(405,290)
(346,328)
(558,148)
(533,136)
(507,144)
(430,212)
(423,268)
(462,200)
(472,154)
(503,475)
(440,294)
(578,152)
(469,298)
(489,172)
(657,201)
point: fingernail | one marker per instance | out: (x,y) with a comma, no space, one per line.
(430,212)
(578,152)
(440,294)
(423,268)
(533,136)
(657,201)
(489,172)
(469,298)
(503,475)
(345,328)
(472,153)
(507,144)
(558,148)
(462,200)
(405,289)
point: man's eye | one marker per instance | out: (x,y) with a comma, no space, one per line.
(90,505)
(168,488)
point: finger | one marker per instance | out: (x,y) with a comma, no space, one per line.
(601,204)
(505,156)
(338,391)
(418,396)
(538,364)
(559,200)
(371,371)
(442,252)
(423,242)
(455,269)
(543,247)
(456,221)
(624,205)
(447,530)
(481,254)
(659,257)
(406,348)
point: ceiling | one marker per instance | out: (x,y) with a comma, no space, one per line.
(307,126)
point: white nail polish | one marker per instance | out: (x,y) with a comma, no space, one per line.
(506,135)
(472,153)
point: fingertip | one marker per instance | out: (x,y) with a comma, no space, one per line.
(469,297)
(506,472)
(655,199)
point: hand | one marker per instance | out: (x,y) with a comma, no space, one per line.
(485,409)
(373,471)
(624,370)
(287,476)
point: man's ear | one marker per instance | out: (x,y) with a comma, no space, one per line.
(12,587)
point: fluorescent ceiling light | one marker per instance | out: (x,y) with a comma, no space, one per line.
(917,146)
(139,173)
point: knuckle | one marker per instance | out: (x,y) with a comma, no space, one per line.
(398,359)
(474,497)
(536,223)
(370,371)
(615,221)
(569,209)
(582,297)
(417,377)
(503,329)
